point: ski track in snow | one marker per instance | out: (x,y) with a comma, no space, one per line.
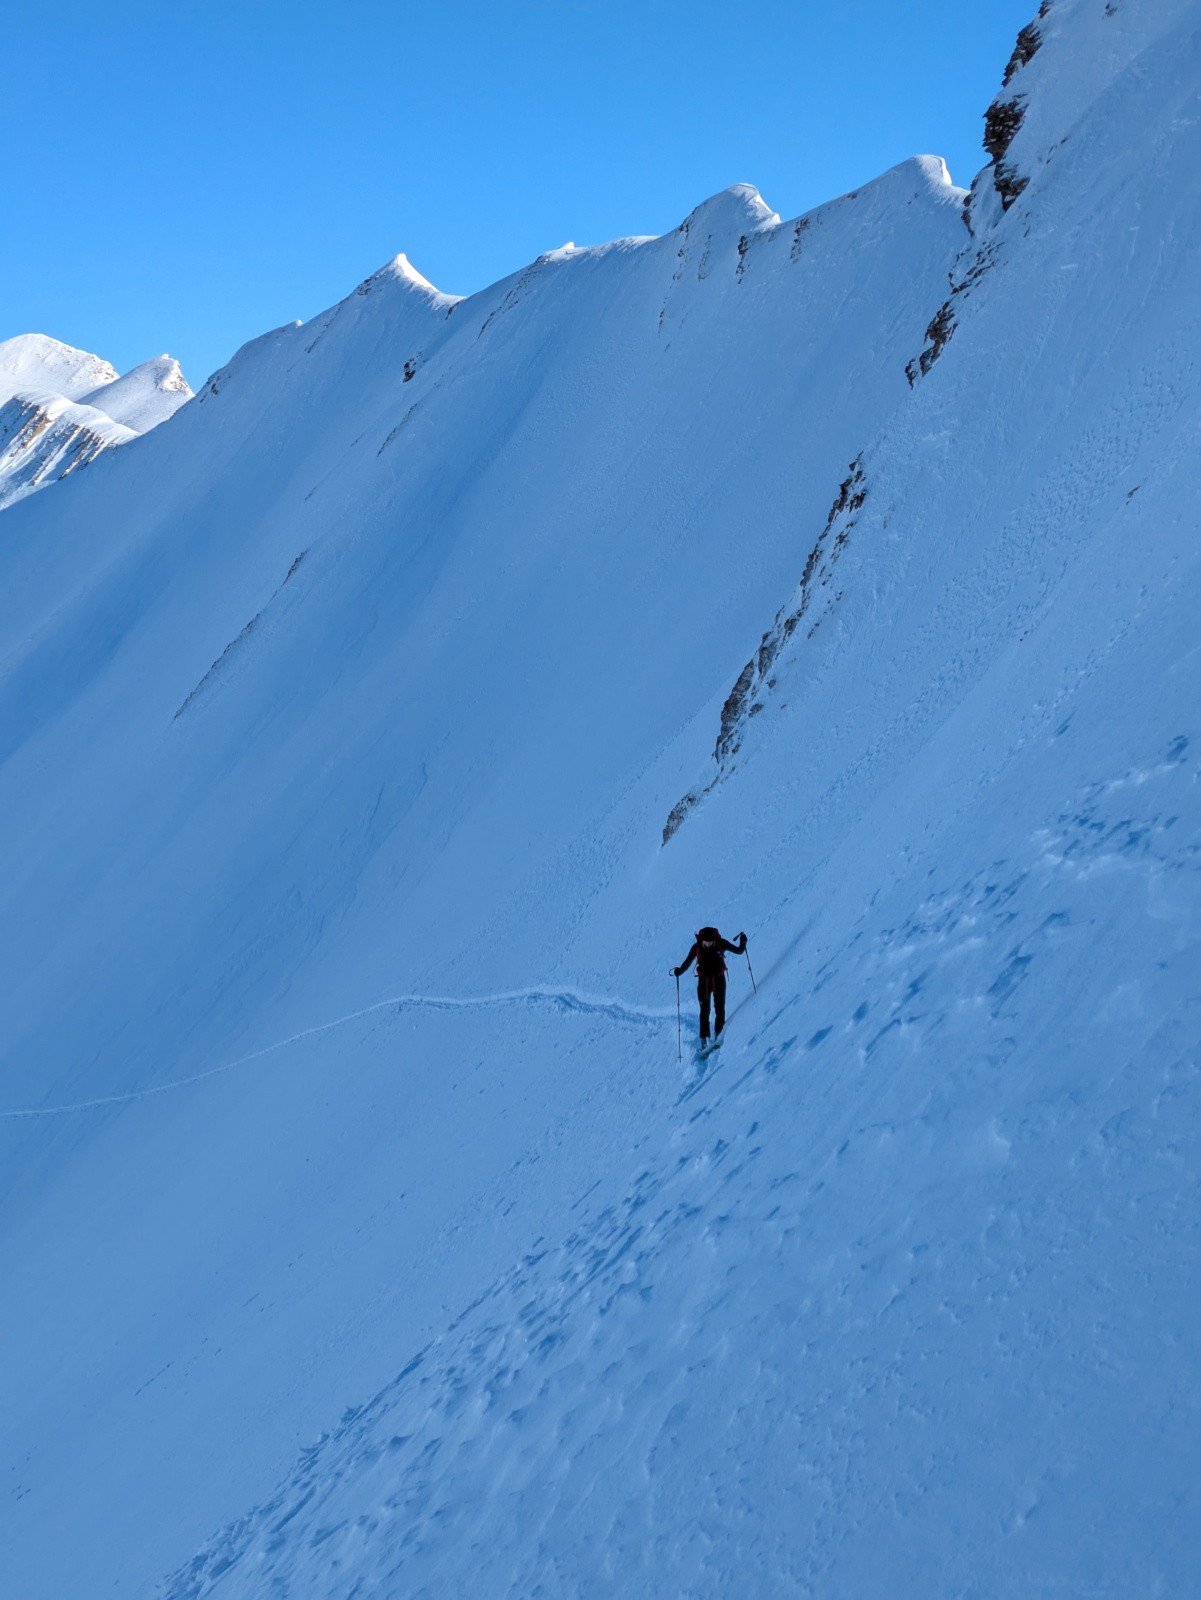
(566,999)
(391,1494)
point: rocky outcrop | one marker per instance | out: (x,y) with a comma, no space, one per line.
(945,320)
(44,438)
(755,682)
(1001,123)
(1028,42)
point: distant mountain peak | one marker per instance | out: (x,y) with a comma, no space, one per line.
(36,361)
(61,407)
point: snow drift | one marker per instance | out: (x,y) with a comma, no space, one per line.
(363,1234)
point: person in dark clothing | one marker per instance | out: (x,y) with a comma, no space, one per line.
(708,951)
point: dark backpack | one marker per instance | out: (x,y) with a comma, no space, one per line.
(710,958)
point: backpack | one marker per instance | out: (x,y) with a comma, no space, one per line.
(710,959)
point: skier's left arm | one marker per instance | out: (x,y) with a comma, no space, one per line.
(737,948)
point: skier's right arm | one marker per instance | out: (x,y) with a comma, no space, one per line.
(686,963)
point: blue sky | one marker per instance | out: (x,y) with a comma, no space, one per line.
(184,176)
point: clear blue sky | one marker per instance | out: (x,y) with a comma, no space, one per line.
(183,176)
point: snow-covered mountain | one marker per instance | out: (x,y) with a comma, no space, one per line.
(60,407)
(144,397)
(372,741)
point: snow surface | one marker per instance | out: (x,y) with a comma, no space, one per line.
(61,407)
(363,1234)
(33,361)
(144,397)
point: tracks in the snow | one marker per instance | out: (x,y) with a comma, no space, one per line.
(558,999)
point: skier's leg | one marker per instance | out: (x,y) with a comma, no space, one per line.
(702,994)
(719,1002)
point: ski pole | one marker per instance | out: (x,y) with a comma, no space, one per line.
(751,970)
(679,1024)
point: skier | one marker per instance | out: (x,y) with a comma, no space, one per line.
(708,951)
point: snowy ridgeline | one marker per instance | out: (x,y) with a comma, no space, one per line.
(61,407)
(363,1235)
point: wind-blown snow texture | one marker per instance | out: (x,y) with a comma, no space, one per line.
(363,1235)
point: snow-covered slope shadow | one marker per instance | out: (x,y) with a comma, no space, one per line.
(903,1216)
(899,1302)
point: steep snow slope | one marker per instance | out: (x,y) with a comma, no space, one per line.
(339,752)
(60,407)
(337,700)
